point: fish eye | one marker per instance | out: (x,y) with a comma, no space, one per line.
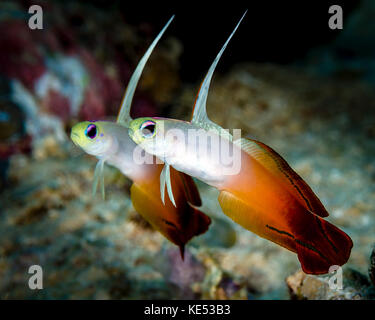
(148,129)
(91,131)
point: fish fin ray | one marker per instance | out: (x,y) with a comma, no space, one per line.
(162,184)
(320,244)
(199,115)
(124,113)
(168,183)
(99,177)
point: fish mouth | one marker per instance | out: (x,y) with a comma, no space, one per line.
(131,133)
(75,137)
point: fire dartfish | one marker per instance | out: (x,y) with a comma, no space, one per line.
(110,143)
(265,196)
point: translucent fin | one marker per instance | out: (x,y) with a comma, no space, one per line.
(99,174)
(102,180)
(165,179)
(162,184)
(124,114)
(200,113)
(169,185)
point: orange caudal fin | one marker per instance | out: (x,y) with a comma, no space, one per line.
(320,244)
(281,170)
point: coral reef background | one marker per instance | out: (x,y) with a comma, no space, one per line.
(309,97)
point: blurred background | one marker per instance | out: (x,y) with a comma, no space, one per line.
(285,79)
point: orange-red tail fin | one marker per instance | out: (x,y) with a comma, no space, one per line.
(320,244)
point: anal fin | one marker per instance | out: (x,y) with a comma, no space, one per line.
(318,243)
(252,219)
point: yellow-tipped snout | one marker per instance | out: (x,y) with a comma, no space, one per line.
(80,131)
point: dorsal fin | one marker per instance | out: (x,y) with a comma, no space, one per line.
(199,116)
(124,113)
(274,163)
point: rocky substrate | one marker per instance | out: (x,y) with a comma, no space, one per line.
(90,248)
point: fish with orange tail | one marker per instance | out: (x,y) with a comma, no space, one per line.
(110,143)
(259,190)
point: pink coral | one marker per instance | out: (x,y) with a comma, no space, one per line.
(19,55)
(93,107)
(57,104)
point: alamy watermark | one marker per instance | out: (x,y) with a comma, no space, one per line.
(196,148)
(36,20)
(336,20)
(335,281)
(36,280)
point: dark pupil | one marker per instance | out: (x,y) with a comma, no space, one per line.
(91,131)
(148,130)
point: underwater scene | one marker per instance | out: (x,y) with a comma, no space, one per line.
(89,92)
